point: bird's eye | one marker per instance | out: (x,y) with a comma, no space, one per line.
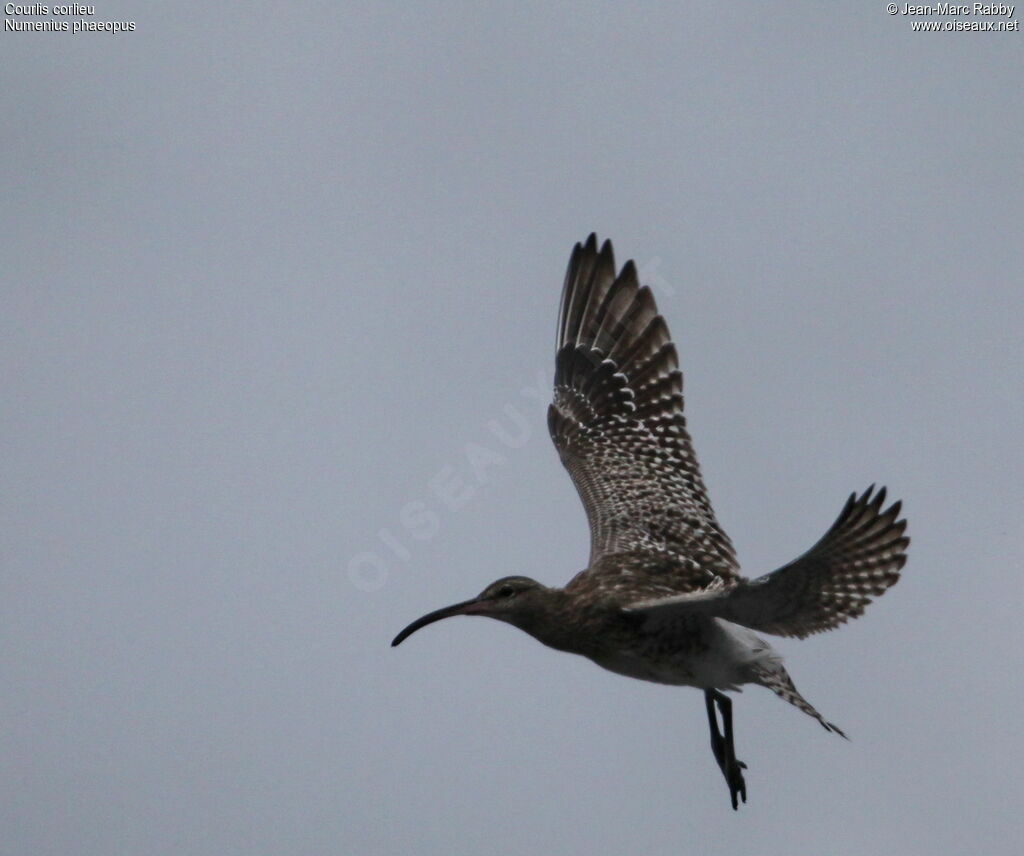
(506,591)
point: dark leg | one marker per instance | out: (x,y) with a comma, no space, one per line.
(722,746)
(717,743)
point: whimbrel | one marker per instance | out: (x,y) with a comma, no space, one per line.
(662,598)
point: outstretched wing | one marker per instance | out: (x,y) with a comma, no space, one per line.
(617,422)
(856,560)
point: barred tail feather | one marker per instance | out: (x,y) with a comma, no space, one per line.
(780,683)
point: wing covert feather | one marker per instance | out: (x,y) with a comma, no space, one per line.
(858,559)
(617,421)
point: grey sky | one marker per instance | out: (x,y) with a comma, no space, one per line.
(270,271)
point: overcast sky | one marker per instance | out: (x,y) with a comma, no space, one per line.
(277,276)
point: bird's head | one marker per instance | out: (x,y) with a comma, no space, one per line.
(513,599)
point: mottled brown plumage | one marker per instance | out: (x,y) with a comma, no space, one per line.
(617,422)
(662,598)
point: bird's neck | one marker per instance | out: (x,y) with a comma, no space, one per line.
(558,622)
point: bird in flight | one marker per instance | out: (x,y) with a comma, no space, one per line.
(662,598)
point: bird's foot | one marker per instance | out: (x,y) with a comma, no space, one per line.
(734,779)
(732,769)
(723,746)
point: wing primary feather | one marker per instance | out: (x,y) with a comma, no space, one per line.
(617,421)
(830,584)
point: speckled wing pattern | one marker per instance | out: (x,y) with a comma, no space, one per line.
(859,557)
(617,422)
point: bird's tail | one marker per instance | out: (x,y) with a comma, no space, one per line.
(777,679)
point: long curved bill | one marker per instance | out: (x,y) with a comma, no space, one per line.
(464,608)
